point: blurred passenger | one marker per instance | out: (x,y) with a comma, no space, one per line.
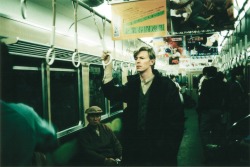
(225,116)
(238,100)
(221,76)
(22,131)
(173,78)
(99,145)
(204,77)
(153,121)
(211,104)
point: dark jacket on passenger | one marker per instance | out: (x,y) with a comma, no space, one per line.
(164,119)
(237,100)
(96,148)
(213,94)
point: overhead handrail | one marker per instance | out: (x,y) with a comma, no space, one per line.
(51,51)
(79,20)
(75,5)
(102,39)
(23,8)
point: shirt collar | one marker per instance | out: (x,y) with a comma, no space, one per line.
(146,81)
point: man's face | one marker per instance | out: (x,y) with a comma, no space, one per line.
(94,119)
(143,62)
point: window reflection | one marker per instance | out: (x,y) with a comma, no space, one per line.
(95,81)
(64,99)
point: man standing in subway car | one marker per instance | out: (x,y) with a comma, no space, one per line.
(153,121)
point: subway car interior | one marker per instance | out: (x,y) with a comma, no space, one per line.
(56,48)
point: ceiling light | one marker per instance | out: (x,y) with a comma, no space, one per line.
(104,10)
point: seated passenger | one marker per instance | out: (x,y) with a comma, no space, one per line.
(99,145)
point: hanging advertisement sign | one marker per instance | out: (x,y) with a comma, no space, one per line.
(121,1)
(139,19)
(202,46)
(196,16)
(170,48)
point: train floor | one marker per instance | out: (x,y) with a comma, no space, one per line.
(190,152)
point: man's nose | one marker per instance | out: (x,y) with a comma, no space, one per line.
(96,118)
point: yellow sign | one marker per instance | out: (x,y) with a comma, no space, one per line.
(139,19)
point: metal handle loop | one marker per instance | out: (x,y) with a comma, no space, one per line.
(73,59)
(51,59)
(105,64)
(23,8)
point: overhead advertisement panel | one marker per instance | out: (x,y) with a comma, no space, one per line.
(121,1)
(139,19)
(202,46)
(169,49)
(199,16)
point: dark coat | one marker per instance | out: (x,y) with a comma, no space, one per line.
(213,94)
(94,148)
(165,116)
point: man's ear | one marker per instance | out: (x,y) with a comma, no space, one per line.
(152,61)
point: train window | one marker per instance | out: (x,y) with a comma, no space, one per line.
(27,82)
(95,81)
(116,106)
(64,98)
(28,89)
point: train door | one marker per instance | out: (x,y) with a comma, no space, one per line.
(193,82)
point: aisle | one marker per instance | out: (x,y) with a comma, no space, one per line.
(190,153)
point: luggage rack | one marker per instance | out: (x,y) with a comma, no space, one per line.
(36,50)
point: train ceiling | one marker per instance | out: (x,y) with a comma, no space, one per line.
(39,14)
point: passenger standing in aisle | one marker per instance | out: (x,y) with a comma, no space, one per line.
(237,98)
(211,105)
(153,121)
(173,78)
(203,78)
(22,131)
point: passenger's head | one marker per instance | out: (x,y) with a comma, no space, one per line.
(220,76)
(6,73)
(237,74)
(212,71)
(205,71)
(94,115)
(144,57)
